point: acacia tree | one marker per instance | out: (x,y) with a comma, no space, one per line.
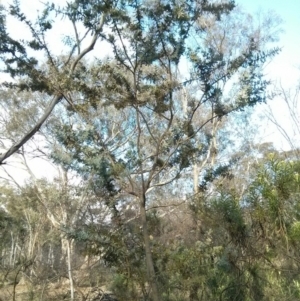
(140,86)
(129,125)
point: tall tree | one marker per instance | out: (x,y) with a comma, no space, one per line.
(129,124)
(143,96)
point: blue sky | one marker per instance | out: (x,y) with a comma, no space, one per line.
(283,70)
(286,66)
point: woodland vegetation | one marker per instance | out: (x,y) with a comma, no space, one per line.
(159,191)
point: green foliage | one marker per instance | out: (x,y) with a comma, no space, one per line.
(232,217)
(295,231)
(277,183)
(122,287)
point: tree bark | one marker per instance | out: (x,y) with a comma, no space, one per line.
(148,253)
(70,274)
(196,192)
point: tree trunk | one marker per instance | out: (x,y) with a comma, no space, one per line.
(67,255)
(12,251)
(196,178)
(148,253)
(196,192)
(70,274)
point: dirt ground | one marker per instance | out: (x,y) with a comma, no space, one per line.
(25,291)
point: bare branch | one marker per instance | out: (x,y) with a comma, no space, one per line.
(12,179)
(14,148)
(166,182)
(91,46)
(77,37)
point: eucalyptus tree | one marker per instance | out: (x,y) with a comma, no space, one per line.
(289,126)
(59,203)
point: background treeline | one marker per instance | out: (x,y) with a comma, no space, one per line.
(224,243)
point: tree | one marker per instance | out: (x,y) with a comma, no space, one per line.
(155,143)
(129,124)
